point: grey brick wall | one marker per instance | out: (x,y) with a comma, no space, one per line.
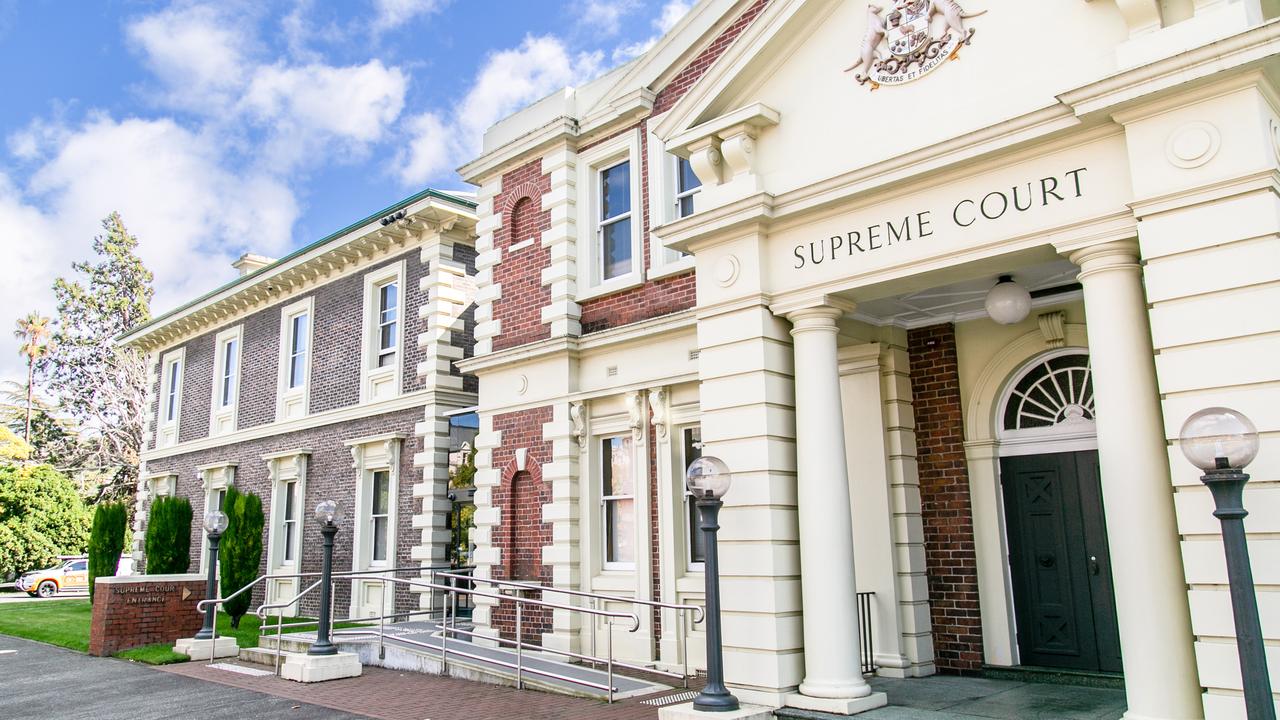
(335,356)
(329,476)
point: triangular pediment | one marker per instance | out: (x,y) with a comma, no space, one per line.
(801,60)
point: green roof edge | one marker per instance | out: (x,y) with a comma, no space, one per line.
(301,251)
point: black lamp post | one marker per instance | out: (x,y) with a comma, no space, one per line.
(1222,442)
(708,479)
(215,522)
(328,516)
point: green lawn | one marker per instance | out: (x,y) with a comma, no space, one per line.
(66,623)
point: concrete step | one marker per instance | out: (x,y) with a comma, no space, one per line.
(286,643)
(259,655)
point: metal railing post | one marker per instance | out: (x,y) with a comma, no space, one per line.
(609,622)
(279,636)
(592,601)
(444,640)
(382,623)
(519,645)
(684,647)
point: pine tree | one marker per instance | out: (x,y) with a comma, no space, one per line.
(101,384)
(106,541)
(240,551)
(168,540)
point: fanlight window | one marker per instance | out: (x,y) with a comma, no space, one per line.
(1056,393)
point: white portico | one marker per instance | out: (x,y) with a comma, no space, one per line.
(1133,190)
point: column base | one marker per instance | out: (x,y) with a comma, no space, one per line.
(686,711)
(838,706)
(304,668)
(207,649)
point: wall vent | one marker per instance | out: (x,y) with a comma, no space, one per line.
(611,371)
(694,354)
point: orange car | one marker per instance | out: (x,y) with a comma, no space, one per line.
(70,575)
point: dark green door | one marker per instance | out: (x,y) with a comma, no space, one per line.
(1063,599)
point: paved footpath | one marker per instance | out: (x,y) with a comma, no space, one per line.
(393,695)
(38,680)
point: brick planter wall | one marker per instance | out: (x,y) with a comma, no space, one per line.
(947,514)
(141,610)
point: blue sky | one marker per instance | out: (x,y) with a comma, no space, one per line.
(221,127)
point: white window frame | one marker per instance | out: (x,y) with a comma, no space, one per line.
(284,469)
(168,427)
(624,148)
(216,478)
(663,186)
(295,402)
(222,418)
(636,485)
(382,383)
(163,484)
(370,455)
(689,515)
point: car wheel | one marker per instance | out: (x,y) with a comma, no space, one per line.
(32,593)
(47,589)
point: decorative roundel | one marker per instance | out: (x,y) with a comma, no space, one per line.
(523,385)
(727,270)
(1193,144)
(1057,392)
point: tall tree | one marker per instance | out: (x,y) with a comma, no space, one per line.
(101,384)
(33,330)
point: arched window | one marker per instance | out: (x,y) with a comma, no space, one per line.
(1052,395)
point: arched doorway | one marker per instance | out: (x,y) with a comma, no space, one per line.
(1059,562)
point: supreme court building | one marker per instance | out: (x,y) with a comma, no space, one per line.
(772,238)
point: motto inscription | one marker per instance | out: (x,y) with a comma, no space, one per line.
(964,214)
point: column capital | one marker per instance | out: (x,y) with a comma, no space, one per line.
(813,306)
(1119,255)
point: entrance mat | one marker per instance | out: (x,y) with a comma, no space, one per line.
(1054,676)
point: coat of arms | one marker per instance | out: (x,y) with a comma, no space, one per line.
(914,47)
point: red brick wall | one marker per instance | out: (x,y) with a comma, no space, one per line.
(519,310)
(950,558)
(692,72)
(522,534)
(145,612)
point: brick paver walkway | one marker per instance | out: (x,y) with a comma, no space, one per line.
(393,695)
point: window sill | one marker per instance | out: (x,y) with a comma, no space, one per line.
(683,265)
(611,287)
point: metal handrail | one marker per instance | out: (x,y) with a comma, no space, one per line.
(203,605)
(448,628)
(698,612)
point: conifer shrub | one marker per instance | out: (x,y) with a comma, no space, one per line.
(106,541)
(240,551)
(168,540)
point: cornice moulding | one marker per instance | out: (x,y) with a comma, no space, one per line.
(443,397)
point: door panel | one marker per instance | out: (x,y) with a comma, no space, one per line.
(1106,628)
(1050,583)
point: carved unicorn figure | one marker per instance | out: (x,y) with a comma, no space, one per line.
(870,44)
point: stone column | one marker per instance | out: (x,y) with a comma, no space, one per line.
(833,671)
(1146,565)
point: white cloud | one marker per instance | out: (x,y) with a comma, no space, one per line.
(191,213)
(392,14)
(199,52)
(605,16)
(509,80)
(672,13)
(308,107)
